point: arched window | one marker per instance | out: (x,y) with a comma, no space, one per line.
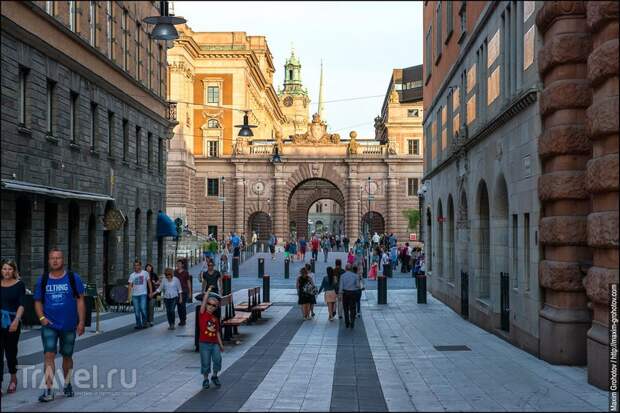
(213,123)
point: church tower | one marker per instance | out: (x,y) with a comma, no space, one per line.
(294,99)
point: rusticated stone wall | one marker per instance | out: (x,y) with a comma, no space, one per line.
(602,180)
(564,151)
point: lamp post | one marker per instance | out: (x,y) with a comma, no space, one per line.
(421,193)
(369,222)
(243,224)
(223,200)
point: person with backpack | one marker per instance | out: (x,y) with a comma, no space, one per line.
(306,291)
(138,291)
(59,304)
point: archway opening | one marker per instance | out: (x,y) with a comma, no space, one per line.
(451,236)
(372,222)
(260,222)
(302,208)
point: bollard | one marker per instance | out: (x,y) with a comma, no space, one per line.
(387,270)
(287,270)
(226,285)
(266,280)
(364,269)
(312,264)
(235,266)
(381,289)
(196,329)
(261,267)
(421,289)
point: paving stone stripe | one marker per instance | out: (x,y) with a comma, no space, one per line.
(241,379)
(356,382)
(34,332)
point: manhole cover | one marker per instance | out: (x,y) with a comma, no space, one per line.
(452,348)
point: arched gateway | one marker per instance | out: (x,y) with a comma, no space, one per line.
(257,193)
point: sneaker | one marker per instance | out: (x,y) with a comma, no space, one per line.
(205,384)
(216,381)
(313,314)
(68,390)
(47,396)
(182,323)
(170,327)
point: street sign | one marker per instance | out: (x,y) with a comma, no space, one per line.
(413,237)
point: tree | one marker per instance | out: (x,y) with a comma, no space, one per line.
(413,218)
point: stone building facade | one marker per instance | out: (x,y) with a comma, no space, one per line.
(85,129)
(241,188)
(521,204)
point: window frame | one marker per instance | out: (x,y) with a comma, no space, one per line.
(210,95)
(110,28)
(125,140)
(138,144)
(94,124)
(213,187)
(149,149)
(22,96)
(93,23)
(74,113)
(414,187)
(49,106)
(111,124)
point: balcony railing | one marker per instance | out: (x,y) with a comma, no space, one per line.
(372,149)
(261,149)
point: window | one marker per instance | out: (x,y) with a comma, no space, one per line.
(160,156)
(471,109)
(212,230)
(125,139)
(471,78)
(213,94)
(213,123)
(72,15)
(493,86)
(515,250)
(428,52)
(109,28)
(138,144)
(110,133)
(449,19)
(412,186)
(438,42)
(93,23)
(93,126)
(463,15)
(413,146)
(319,208)
(50,7)
(149,149)
(137,54)
(22,107)
(213,186)
(73,115)
(211,148)
(51,85)
(526,251)
(528,48)
(413,113)
(125,39)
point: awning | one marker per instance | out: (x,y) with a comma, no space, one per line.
(22,186)
(165,226)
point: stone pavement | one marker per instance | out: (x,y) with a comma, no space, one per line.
(402,356)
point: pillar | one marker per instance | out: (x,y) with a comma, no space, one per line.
(279,215)
(392,206)
(564,151)
(353,209)
(602,181)
(239,205)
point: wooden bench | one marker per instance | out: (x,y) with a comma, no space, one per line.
(253,304)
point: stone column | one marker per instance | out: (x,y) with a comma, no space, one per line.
(352,209)
(564,151)
(239,205)
(392,205)
(602,181)
(279,213)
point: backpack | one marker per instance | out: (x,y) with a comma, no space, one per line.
(45,279)
(310,288)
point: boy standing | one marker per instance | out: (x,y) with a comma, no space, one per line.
(211,346)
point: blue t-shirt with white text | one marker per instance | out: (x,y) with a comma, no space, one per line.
(60,307)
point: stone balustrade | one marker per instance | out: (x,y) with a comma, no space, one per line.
(261,149)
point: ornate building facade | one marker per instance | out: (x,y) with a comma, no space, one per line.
(241,188)
(521,204)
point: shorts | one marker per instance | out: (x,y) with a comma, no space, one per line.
(50,338)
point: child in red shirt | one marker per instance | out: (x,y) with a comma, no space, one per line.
(210,341)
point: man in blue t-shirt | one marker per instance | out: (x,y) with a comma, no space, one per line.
(61,311)
(236,242)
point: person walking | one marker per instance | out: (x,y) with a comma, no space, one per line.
(306,291)
(338,271)
(12,293)
(348,285)
(272,246)
(210,340)
(153,284)
(308,267)
(183,276)
(302,249)
(235,240)
(359,253)
(138,289)
(404,258)
(172,291)
(374,264)
(314,246)
(345,243)
(385,261)
(59,304)
(254,241)
(211,278)
(325,245)
(329,285)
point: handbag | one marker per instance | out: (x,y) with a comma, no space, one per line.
(310,289)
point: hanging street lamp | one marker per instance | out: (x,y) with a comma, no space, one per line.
(164,24)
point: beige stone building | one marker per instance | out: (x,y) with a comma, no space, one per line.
(218,182)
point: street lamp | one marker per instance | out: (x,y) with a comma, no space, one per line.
(223,200)
(164,24)
(276,156)
(243,215)
(246,129)
(369,222)
(421,193)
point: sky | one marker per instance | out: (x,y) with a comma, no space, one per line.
(360,43)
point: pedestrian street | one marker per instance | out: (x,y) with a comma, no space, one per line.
(402,356)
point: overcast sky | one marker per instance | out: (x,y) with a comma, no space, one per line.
(360,43)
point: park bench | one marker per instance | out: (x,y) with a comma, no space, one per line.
(253,305)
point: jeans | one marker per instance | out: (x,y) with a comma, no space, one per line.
(8,347)
(348,302)
(151,308)
(182,309)
(325,252)
(170,304)
(358,301)
(52,337)
(210,352)
(139,309)
(315,255)
(339,307)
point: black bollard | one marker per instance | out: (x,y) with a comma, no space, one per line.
(235,267)
(196,329)
(421,289)
(312,263)
(266,280)
(226,285)
(364,269)
(261,267)
(287,270)
(381,289)
(387,270)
